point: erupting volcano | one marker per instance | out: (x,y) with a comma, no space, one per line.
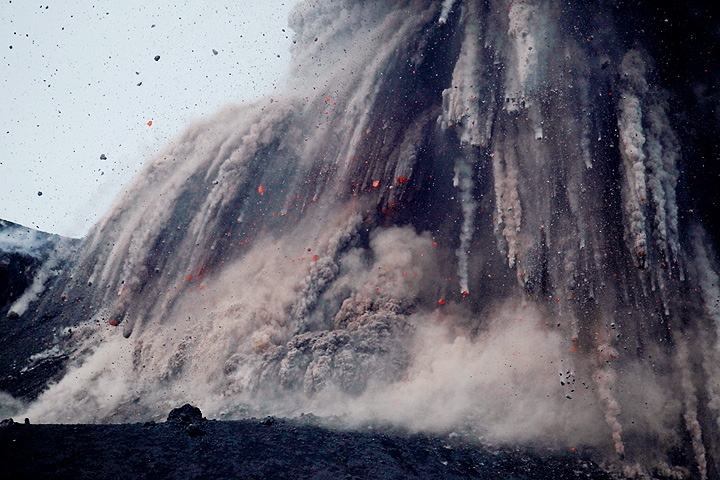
(463,214)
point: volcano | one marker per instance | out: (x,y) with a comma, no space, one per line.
(490,216)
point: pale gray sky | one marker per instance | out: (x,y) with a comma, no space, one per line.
(69,77)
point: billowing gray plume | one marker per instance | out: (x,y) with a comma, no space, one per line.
(460,214)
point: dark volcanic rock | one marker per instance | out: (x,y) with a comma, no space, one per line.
(194,430)
(30,262)
(249,449)
(185,414)
(189,417)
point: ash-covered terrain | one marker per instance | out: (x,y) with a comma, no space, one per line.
(188,446)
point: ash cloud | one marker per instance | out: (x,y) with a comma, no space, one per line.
(431,227)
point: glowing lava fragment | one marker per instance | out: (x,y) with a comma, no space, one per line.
(261,190)
(149,124)
(441,301)
(63,298)
(376,183)
(315,258)
(113,323)
(402,179)
(465,293)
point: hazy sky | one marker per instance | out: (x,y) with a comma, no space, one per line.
(79,81)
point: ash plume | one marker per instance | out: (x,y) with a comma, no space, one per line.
(460,215)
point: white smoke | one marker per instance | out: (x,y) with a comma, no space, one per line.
(663,156)
(462,101)
(504,383)
(632,141)
(691,405)
(465,183)
(17,239)
(446,8)
(525,29)
(605,377)
(508,208)
(61,251)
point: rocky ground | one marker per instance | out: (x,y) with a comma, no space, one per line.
(188,446)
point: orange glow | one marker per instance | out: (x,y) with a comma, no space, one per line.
(261,190)
(441,301)
(149,124)
(376,183)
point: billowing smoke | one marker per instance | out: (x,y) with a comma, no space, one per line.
(459,215)
(52,266)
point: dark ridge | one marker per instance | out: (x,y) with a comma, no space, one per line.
(23,253)
(270,448)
